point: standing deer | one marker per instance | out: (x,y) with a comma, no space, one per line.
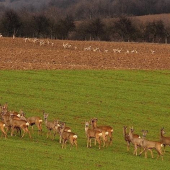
(50,125)
(164,140)
(34,120)
(68,136)
(92,133)
(108,129)
(149,145)
(22,124)
(127,137)
(6,119)
(135,141)
(66,129)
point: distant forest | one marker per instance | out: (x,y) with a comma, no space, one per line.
(88,9)
(108,20)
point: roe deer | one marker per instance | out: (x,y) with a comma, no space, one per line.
(149,145)
(34,120)
(6,120)
(108,129)
(22,124)
(92,133)
(127,137)
(164,140)
(135,141)
(66,129)
(68,136)
(50,125)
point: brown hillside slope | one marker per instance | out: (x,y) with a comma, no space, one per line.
(17,54)
(157,17)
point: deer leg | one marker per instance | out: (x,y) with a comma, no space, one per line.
(99,142)
(60,139)
(7,129)
(159,154)
(164,148)
(23,132)
(135,150)
(12,130)
(95,142)
(72,142)
(90,142)
(128,145)
(146,150)
(104,138)
(75,142)
(3,131)
(65,143)
(28,132)
(106,141)
(87,143)
(151,152)
(110,136)
(48,133)
(18,130)
(142,151)
(39,128)
(32,129)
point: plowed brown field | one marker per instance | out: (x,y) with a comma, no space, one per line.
(20,54)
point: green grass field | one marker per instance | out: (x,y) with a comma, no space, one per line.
(117,98)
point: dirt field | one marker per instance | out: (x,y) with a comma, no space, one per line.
(28,54)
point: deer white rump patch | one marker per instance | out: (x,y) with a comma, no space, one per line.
(106,133)
(3,125)
(100,134)
(18,115)
(139,137)
(27,124)
(40,120)
(69,130)
(112,130)
(75,136)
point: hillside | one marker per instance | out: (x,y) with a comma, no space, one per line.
(24,54)
(150,18)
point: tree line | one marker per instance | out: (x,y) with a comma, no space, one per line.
(121,28)
(88,9)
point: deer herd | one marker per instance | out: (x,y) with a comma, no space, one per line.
(17,123)
(145,144)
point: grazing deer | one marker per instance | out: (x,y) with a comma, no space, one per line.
(51,126)
(2,126)
(135,141)
(34,120)
(149,145)
(164,140)
(108,129)
(68,136)
(92,133)
(22,124)
(127,137)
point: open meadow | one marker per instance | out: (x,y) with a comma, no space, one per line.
(75,84)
